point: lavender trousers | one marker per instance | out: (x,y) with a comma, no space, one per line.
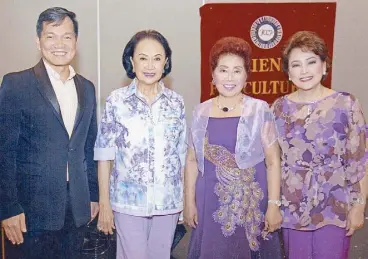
(328,242)
(144,237)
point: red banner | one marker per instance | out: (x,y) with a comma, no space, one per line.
(266,27)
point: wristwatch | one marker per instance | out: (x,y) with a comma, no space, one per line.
(276,202)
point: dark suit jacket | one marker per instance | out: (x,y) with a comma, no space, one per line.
(35,149)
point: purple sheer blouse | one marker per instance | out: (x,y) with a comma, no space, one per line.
(256,130)
(324,157)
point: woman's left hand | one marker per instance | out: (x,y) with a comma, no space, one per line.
(355,219)
(273,218)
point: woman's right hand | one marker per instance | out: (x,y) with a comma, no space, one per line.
(105,218)
(191,214)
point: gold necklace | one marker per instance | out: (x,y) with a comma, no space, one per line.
(224,108)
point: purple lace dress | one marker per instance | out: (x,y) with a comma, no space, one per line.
(231,202)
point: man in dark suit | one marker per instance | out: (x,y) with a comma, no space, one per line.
(48,179)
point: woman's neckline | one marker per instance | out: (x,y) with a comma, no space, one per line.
(232,117)
(314,102)
(212,101)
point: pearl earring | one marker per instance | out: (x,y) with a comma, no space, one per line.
(213,82)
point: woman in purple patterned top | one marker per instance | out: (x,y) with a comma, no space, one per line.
(323,140)
(232,175)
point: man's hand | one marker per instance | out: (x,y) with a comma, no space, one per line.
(14,228)
(94,210)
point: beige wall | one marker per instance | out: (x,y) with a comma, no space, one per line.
(179,21)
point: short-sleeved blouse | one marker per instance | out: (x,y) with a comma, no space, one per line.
(323,158)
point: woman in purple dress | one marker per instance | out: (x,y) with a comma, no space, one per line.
(323,140)
(232,175)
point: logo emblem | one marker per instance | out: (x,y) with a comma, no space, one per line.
(266,32)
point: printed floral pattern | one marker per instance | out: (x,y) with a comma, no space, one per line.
(147,144)
(323,158)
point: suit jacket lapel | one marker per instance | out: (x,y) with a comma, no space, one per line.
(46,89)
(81,100)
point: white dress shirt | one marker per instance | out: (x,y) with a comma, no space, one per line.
(66,94)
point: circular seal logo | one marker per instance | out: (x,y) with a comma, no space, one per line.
(266,32)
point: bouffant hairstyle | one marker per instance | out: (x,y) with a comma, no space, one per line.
(306,41)
(231,45)
(130,47)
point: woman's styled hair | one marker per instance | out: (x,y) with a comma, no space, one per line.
(231,45)
(131,45)
(306,41)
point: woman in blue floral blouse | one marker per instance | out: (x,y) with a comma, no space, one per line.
(142,132)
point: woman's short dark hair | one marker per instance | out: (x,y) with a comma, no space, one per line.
(55,15)
(231,45)
(131,45)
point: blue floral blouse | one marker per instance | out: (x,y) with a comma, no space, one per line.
(147,144)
